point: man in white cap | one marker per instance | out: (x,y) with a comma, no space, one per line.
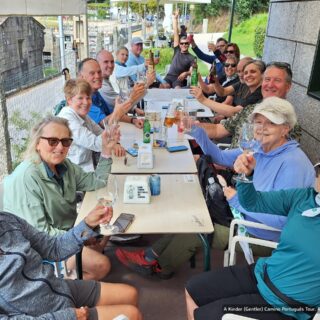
(135,58)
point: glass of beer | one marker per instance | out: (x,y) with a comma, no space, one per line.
(170,117)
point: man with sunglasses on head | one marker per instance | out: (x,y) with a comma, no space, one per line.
(182,61)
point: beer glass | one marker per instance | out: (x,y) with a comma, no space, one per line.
(170,117)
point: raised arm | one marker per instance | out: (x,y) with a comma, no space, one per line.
(222,91)
(220,108)
(175,27)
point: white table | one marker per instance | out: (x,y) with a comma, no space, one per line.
(164,161)
(156,99)
(180,208)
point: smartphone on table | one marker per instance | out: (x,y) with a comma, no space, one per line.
(123,222)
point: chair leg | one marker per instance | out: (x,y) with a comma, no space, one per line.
(206,252)
(79,265)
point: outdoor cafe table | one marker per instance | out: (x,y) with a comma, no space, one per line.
(180,208)
(164,161)
(156,99)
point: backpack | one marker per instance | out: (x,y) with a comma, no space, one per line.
(216,202)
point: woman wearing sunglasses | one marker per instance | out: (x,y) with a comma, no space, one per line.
(230,68)
(42,189)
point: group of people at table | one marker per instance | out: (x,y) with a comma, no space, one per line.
(40,201)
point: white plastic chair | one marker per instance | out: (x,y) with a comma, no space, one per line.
(230,253)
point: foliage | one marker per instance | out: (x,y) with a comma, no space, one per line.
(244,33)
(246,8)
(49,71)
(151,6)
(258,44)
(23,126)
(210,10)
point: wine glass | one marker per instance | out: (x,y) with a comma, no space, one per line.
(142,78)
(107,196)
(249,143)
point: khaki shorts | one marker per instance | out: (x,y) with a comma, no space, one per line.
(85,293)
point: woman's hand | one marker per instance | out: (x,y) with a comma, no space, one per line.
(245,163)
(99,215)
(119,151)
(229,192)
(197,93)
(82,313)
(109,140)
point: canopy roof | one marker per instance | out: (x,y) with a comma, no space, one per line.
(43,7)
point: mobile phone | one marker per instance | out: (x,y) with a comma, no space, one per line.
(132,151)
(177,148)
(123,222)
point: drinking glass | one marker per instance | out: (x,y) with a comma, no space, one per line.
(142,78)
(111,127)
(107,196)
(170,117)
(249,143)
(188,120)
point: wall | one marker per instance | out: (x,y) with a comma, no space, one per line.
(292,36)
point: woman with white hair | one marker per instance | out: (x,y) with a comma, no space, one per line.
(280,164)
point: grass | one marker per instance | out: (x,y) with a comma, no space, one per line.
(243,34)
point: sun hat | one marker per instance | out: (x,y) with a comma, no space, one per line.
(277,110)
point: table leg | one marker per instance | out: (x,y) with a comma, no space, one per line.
(206,251)
(79,265)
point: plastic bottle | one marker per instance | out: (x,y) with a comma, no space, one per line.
(146,131)
(213,190)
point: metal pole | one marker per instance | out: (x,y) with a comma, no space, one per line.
(157,25)
(231,19)
(61,40)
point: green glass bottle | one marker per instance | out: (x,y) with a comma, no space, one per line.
(146,131)
(194,74)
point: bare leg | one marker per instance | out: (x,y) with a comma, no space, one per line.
(95,265)
(191,306)
(116,299)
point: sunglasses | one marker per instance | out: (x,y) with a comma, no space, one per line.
(230,51)
(184,43)
(53,142)
(281,65)
(232,65)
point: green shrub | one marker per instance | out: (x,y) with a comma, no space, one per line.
(258,44)
(50,71)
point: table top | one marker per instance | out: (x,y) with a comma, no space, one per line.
(180,208)
(164,161)
(157,98)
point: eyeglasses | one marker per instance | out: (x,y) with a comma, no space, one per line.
(230,51)
(281,65)
(184,43)
(232,65)
(53,142)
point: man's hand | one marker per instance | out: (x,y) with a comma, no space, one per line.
(119,151)
(197,93)
(156,60)
(137,93)
(183,75)
(120,109)
(99,215)
(212,47)
(82,313)
(164,85)
(245,163)
(139,112)
(138,123)
(175,15)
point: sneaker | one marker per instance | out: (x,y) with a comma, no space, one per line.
(135,260)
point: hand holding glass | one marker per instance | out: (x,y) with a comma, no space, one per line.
(107,196)
(249,143)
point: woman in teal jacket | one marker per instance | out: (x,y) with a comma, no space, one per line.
(287,282)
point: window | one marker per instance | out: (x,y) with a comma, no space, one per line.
(314,84)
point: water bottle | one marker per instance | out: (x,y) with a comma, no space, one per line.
(213,190)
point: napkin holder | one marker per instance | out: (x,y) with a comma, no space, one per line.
(136,189)
(145,156)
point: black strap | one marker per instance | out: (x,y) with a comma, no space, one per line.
(289,301)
